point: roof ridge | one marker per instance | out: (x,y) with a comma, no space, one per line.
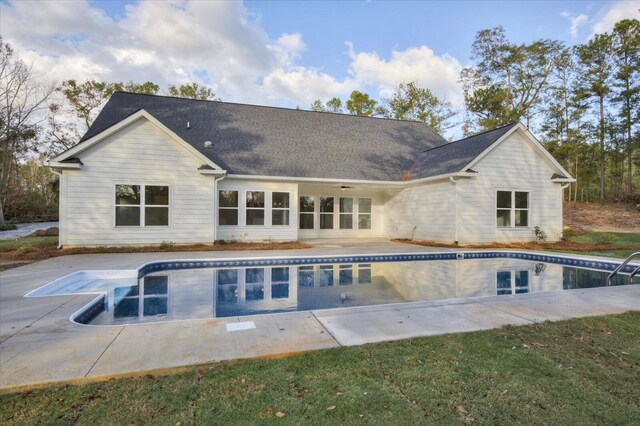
(469,137)
(278,107)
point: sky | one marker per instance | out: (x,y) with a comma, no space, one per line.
(285,53)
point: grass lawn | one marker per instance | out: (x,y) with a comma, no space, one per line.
(581,371)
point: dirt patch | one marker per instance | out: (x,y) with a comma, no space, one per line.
(601,217)
(575,246)
(33,253)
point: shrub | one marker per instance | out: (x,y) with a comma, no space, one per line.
(167,245)
(8,226)
(568,233)
(539,234)
(25,248)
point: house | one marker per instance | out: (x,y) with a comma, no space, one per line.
(156,168)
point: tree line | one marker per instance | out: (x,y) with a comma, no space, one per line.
(583,102)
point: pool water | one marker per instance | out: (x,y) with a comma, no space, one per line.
(181,294)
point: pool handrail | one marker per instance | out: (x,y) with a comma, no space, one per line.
(622,265)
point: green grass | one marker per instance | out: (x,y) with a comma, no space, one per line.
(627,238)
(7,245)
(614,238)
(582,371)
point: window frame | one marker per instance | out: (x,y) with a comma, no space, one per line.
(513,209)
(247,208)
(237,208)
(312,214)
(370,213)
(142,206)
(332,213)
(275,209)
(513,288)
(347,214)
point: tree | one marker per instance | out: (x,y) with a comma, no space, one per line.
(84,101)
(193,91)
(594,60)
(411,102)
(361,104)
(508,80)
(626,56)
(318,106)
(22,99)
(334,105)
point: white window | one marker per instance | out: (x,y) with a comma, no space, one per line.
(280,283)
(307,209)
(142,205)
(254,284)
(255,207)
(346,213)
(364,213)
(512,209)
(512,282)
(228,208)
(227,283)
(280,208)
(326,212)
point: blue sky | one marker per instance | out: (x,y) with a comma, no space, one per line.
(285,53)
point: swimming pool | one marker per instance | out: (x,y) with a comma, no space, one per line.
(200,289)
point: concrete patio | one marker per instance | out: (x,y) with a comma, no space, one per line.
(38,343)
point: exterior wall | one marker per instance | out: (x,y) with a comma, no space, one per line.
(138,154)
(377,212)
(514,165)
(259,232)
(430,208)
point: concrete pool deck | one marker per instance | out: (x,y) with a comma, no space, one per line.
(38,343)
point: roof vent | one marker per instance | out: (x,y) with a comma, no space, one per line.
(188,125)
(208,144)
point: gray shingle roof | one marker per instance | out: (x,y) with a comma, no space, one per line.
(258,140)
(452,157)
(269,141)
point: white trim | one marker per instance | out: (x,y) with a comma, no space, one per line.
(317,180)
(512,210)
(563,180)
(462,174)
(125,122)
(352,181)
(59,165)
(212,172)
(142,206)
(538,146)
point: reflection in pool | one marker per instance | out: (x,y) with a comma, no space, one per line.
(225,292)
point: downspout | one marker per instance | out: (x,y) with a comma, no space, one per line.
(455,184)
(59,205)
(215,205)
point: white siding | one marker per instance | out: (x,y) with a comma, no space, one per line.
(514,165)
(138,154)
(377,212)
(244,232)
(430,208)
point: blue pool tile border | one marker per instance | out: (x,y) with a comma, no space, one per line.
(239,263)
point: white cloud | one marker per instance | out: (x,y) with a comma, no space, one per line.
(304,85)
(216,43)
(418,64)
(615,12)
(576,22)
